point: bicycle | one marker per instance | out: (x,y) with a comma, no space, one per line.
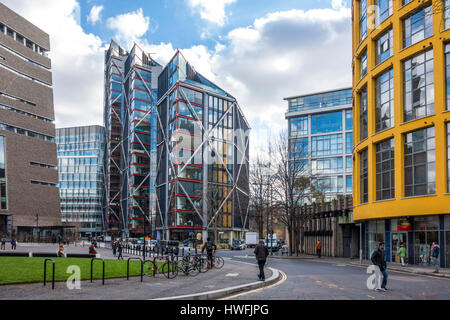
(169,268)
(189,266)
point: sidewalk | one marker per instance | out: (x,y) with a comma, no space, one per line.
(233,278)
(443,272)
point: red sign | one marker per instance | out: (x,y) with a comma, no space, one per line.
(404,228)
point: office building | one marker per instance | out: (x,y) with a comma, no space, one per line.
(81,178)
(130,127)
(320,135)
(401,153)
(30,205)
(203,151)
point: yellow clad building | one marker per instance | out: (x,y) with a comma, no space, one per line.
(401,112)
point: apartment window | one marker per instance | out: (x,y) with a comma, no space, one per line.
(2,28)
(363,114)
(9,32)
(19,38)
(364,176)
(385,172)
(299,126)
(418,84)
(3,200)
(330,184)
(326,122)
(363,66)
(418,26)
(447,72)
(448,157)
(384,10)
(384,47)
(384,101)
(349,142)
(348,184)
(348,164)
(333,165)
(348,119)
(420,170)
(299,148)
(362,20)
(326,145)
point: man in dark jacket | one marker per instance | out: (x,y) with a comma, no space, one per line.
(210,249)
(261,253)
(435,256)
(379,259)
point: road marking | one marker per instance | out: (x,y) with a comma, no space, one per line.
(231,274)
(371,297)
(283,279)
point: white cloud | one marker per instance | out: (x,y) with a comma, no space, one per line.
(77,60)
(337,4)
(129,27)
(282,54)
(95,14)
(211,10)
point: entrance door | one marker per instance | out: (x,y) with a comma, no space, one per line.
(397,239)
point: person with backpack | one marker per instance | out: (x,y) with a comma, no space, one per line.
(379,259)
(210,250)
(435,256)
(261,252)
(13,244)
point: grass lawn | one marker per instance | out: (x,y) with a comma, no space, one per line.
(20,270)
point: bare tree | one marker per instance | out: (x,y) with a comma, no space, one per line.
(259,191)
(292,184)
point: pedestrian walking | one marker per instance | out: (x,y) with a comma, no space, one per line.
(210,250)
(319,248)
(3,243)
(435,256)
(60,252)
(13,243)
(379,259)
(261,253)
(402,254)
(119,250)
(114,248)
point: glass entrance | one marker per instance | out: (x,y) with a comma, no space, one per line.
(397,239)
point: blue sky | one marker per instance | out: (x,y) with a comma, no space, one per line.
(260,51)
(176,22)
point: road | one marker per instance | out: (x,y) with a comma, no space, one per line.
(310,280)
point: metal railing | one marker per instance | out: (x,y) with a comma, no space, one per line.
(103,273)
(53,272)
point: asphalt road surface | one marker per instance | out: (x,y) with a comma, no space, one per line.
(310,280)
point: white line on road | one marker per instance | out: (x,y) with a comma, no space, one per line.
(283,279)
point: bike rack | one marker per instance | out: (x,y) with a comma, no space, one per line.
(45,272)
(128,267)
(103,275)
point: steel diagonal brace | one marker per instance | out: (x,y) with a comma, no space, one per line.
(189,198)
(220,208)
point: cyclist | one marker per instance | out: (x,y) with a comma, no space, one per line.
(210,250)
